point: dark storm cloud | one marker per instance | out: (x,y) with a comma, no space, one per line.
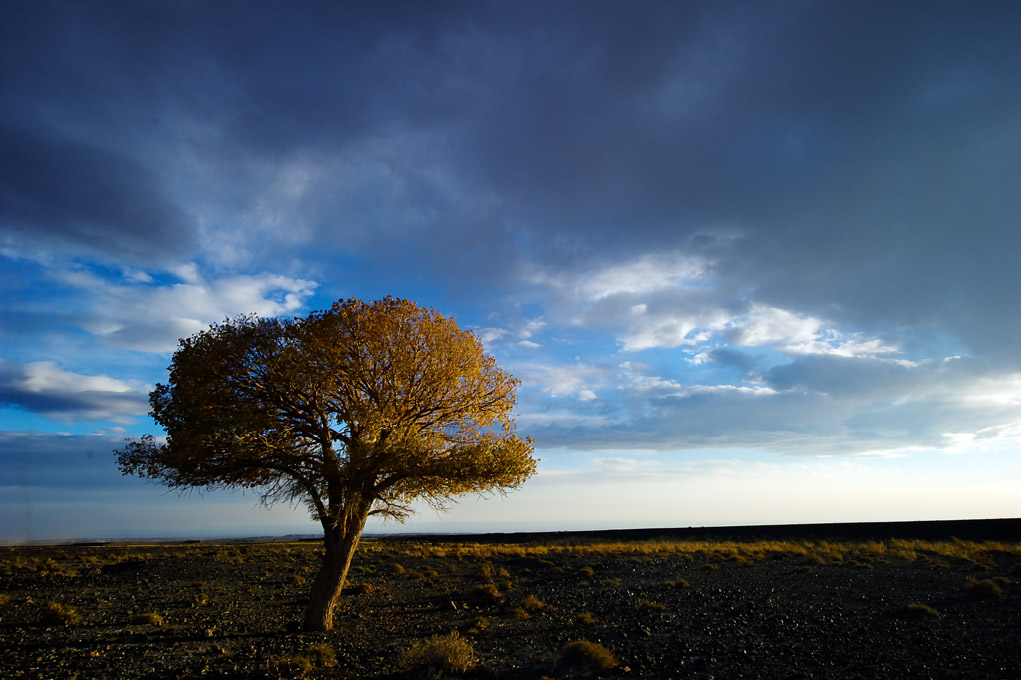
(58,194)
(864,154)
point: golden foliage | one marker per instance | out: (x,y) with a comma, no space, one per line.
(369,403)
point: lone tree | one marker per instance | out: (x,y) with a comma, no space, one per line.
(357,411)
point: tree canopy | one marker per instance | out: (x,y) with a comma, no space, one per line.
(356,410)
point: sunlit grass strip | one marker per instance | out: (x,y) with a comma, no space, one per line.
(834,551)
(60,562)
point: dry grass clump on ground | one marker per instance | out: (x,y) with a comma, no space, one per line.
(987,587)
(298,665)
(582,655)
(485,595)
(58,614)
(916,609)
(147,619)
(439,655)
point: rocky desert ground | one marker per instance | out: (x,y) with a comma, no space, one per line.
(667,607)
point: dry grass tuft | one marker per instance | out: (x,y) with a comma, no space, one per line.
(650,606)
(61,615)
(478,625)
(440,655)
(314,656)
(586,656)
(986,587)
(485,595)
(147,619)
(919,610)
(533,604)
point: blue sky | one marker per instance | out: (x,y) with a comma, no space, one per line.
(753,262)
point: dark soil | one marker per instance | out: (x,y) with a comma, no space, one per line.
(228,610)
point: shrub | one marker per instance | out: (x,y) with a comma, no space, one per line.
(439,655)
(586,571)
(650,606)
(916,609)
(611,581)
(710,567)
(61,615)
(4,598)
(314,656)
(986,587)
(147,619)
(201,599)
(486,595)
(533,604)
(486,571)
(520,613)
(586,656)
(397,569)
(478,625)
(298,580)
(679,583)
(584,619)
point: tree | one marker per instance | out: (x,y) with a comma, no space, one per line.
(356,411)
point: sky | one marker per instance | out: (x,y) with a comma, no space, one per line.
(753,262)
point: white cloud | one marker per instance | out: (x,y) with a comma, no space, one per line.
(618,466)
(645,274)
(563,419)
(522,332)
(772,326)
(795,334)
(531,327)
(488,335)
(568,380)
(669,329)
(663,301)
(632,380)
(44,388)
(152,318)
(1003,390)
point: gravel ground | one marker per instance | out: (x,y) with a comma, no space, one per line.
(228,610)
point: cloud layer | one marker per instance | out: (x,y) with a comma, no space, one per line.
(788,227)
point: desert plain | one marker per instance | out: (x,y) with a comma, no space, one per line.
(919,600)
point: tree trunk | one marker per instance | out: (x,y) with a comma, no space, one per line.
(340,544)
